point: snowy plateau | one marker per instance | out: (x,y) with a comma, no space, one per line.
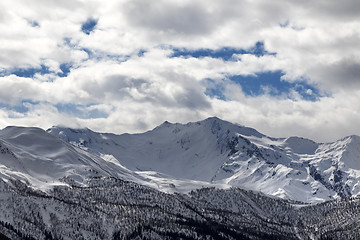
(210,179)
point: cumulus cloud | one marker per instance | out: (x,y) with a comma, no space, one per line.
(170,18)
(110,65)
(339,75)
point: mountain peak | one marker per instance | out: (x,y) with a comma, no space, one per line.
(213,151)
(166,124)
(214,118)
(62,128)
(22,129)
(355,138)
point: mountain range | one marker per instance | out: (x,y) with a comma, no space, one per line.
(187,175)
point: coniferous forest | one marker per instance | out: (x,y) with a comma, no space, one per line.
(110,208)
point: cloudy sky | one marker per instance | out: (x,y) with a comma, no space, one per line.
(283,67)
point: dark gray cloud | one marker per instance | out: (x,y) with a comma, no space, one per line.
(114,86)
(177,92)
(169,17)
(198,18)
(192,99)
(340,75)
(346,9)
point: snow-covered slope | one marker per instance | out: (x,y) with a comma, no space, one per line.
(218,152)
(183,157)
(193,151)
(42,161)
(92,184)
(34,156)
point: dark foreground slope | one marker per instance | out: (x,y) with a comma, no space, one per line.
(114,209)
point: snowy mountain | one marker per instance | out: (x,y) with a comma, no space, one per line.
(43,161)
(203,180)
(218,152)
(184,157)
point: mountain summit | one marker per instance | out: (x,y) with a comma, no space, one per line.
(200,180)
(177,157)
(218,152)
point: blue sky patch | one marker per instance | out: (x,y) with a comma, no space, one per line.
(65,68)
(80,111)
(68,108)
(272,84)
(29,72)
(224,53)
(89,26)
(88,51)
(267,83)
(34,23)
(215,90)
(141,52)
(20,108)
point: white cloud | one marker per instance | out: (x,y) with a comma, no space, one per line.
(317,41)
